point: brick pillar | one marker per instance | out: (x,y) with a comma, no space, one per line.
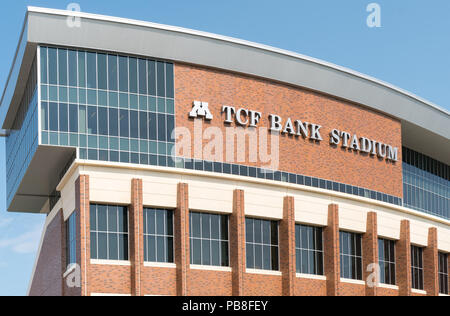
(237,243)
(370,251)
(448,266)
(404,259)
(136,236)
(431,264)
(82,209)
(182,251)
(287,247)
(332,251)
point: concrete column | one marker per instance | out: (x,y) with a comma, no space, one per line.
(287,247)
(136,236)
(82,209)
(237,243)
(182,250)
(431,264)
(332,251)
(403,262)
(370,251)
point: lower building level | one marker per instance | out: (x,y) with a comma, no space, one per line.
(146,231)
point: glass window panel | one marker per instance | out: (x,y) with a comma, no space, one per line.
(73,68)
(169,80)
(257,224)
(197,251)
(124,127)
(123,74)
(102,246)
(274,233)
(206,252)
(249,230)
(94,246)
(153,126)
(206,228)
(63,117)
(152,249)
(160,249)
(133,76)
(266,232)
(113,122)
(134,127)
(224,254)
(151,73)
(123,247)
(215,253)
(169,249)
(73,118)
(53,116)
(250,256)
(82,119)
(162,128)
(267,264)
(103,121)
(112,218)
(91,62)
(102,72)
(113,245)
(151,221)
(62,66)
(143,125)
(161,84)
(224,227)
(196,225)
(112,72)
(123,219)
(258,257)
(44,115)
(52,66)
(170,128)
(169,223)
(44,70)
(142,76)
(92,120)
(215,226)
(81,69)
(160,222)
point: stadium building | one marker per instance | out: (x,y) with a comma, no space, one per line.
(175,162)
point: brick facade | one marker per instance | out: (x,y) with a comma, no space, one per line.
(431,264)
(403,259)
(370,250)
(332,252)
(137,279)
(219,88)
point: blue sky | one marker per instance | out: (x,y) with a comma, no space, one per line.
(410,50)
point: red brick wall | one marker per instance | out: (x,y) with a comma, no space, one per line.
(263,285)
(348,289)
(309,287)
(48,275)
(110,279)
(159,281)
(209,283)
(296,154)
(182,280)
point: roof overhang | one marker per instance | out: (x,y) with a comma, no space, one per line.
(426,127)
(41,179)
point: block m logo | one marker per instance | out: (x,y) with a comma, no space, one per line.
(201,109)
